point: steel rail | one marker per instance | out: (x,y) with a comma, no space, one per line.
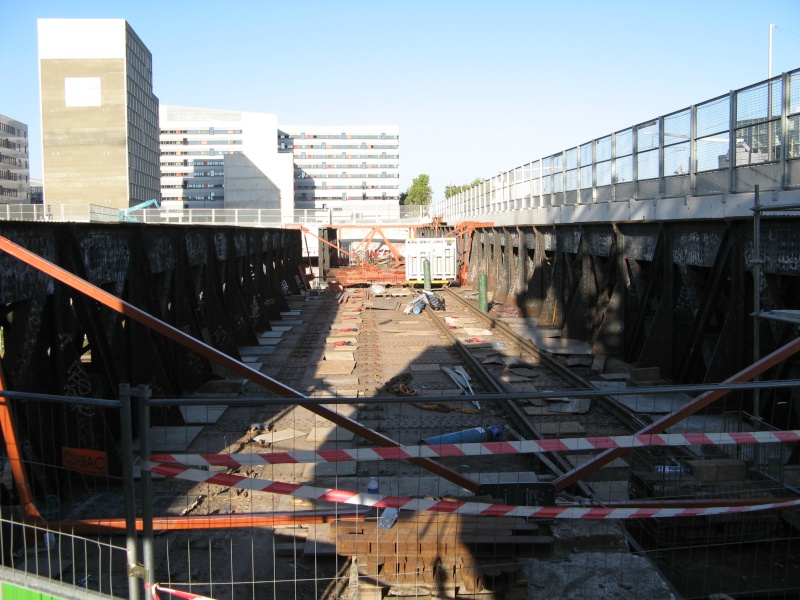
(549,362)
(552,460)
(220,358)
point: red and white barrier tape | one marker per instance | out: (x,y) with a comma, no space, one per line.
(479,449)
(155,589)
(444,506)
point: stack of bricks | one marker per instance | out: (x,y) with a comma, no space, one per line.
(446,554)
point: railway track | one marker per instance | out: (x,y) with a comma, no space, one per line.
(508,365)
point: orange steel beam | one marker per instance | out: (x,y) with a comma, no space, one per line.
(392,248)
(15,457)
(220,358)
(331,244)
(92,526)
(703,400)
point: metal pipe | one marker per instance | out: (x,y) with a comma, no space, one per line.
(220,358)
(679,415)
(148,553)
(204,522)
(126,434)
(15,457)
(426,274)
(483,302)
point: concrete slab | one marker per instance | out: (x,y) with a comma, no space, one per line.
(561,345)
(290,313)
(221,386)
(338,381)
(610,491)
(269,341)
(476,331)
(508,377)
(275,324)
(330,434)
(424,368)
(271,334)
(280,435)
(252,358)
(572,406)
(597,575)
(347,410)
(256,351)
(284,328)
(394,485)
(202,414)
(336,367)
(170,439)
(334,469)
(318,541)
(382,304)
(561,428)
(654,403)
(337,354)
(340,334)
(350,338)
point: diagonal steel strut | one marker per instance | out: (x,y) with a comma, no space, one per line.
(667,421)
(214,355)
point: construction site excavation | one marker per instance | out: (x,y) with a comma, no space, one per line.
(466,413)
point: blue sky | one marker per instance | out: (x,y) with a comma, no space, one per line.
(475,86)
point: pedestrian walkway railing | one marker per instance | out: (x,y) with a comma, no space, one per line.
(246,217)
(721,147)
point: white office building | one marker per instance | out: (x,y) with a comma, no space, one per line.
(14,168)
(344,167)
(223,159)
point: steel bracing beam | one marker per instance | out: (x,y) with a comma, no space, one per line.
(214,355)
(679,415)
(15,457)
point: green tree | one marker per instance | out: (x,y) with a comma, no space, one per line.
(420,191)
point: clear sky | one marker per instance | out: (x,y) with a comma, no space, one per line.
(475,86)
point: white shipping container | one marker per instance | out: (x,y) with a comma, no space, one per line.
(441,252)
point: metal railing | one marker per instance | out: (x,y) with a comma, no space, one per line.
(684,154)
(245,217)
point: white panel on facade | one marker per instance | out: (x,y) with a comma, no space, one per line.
(82,91)
(81,38)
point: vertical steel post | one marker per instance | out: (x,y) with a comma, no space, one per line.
(732,120)
(785,107)
(483,302)
(130,493)
(148,553)
(756,270)
(661,186)
(426,273)
(693,149)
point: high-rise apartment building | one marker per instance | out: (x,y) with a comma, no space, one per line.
(336,166)
(14,169)
(99,113)
(223,159)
